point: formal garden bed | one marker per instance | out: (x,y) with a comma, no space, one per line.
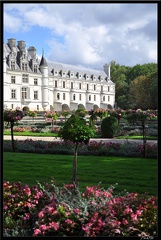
(49,210)
(130,149)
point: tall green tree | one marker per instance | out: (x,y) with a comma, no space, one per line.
(143,92)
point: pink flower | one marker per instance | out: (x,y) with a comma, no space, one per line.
(68,221)
(27,191)
(124,221)
(134,217)
(54,225)
(41,214)
(138,212)
(77,211)
(127,210)
(36,232)
(50,209)
(43,227)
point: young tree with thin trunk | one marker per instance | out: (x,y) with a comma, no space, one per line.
(76,130)
(11,116)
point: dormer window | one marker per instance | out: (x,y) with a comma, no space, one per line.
(93,77)
(79,75)
(71,74)
(55,72)
(86,76)
(101,78)
(63,73)
(35,68)
(24,66)
(13,65)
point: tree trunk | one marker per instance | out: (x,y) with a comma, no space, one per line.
(75,164)
(144,140)
(12,139)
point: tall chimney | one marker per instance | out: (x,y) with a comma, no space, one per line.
(21,45)
(107,70)
(32,51)
(12,43)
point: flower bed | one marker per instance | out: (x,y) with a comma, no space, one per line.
(65,211)
(130,149)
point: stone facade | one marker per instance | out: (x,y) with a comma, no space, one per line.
(42,85)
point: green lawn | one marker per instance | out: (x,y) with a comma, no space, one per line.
(27,133)
(33,134)
(133,174)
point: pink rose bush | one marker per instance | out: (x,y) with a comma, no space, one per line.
(65,211)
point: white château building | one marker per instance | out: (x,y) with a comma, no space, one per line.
(42,85)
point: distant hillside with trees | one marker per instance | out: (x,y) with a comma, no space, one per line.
(137,86)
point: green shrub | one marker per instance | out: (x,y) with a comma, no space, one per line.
(109,127)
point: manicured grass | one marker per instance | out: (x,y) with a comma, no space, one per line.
(137,137)
(133,174)
(27,133)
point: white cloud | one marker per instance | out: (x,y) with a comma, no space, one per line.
(90,34)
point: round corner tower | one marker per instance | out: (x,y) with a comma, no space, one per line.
(44,71)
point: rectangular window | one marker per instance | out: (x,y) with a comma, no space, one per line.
(101,88)
(35,94)
(25,78)
(24,93)
(94,97)
(94,87)
(80,97)
(37,107)
(24,66)
(13,79)
(35,81)
(71,85)
(80,85)
(63,96)
(35,68)
(63,84)
(87,86)
(13,93)
(12,106)
(108,98)
(108,88)
(13,65)
(56,84)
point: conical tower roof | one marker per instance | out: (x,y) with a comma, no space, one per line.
(43,62)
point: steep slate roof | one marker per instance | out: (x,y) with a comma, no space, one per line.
(43,62)
(59,66)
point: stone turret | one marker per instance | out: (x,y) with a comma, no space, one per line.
(44,70)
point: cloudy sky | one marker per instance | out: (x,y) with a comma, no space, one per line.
(87,34)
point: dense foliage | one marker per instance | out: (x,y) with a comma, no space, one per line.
(65,211)
(137,86)
(109,127)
